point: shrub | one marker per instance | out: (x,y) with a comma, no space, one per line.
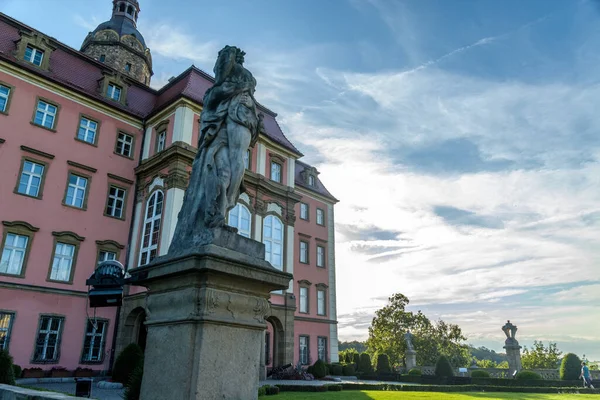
(349,357)
(7,374)
(443,367)
(134,384)
(570,367)
(348,370)
(126,362)
(364,364)
(479,373)
(319,369)
(17,371)
(415,372)
(527,376)
(355,359)
(271,390)
(262,391)
(334,388)
(337,370)
(383,364)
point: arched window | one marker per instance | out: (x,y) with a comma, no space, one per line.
(130,10)
(122,7)
(273,240)
(239,217)
(149,249)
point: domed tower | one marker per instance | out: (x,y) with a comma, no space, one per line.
(119,44)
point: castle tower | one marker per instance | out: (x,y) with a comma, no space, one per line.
(119,44)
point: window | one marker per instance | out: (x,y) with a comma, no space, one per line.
(62,264)
(320,256)
(76,191)
(151,233)
(113,92)
(127,67)
(45,114)
(115,202)
(6,320)
(122,7)
(247,159)
(239,217)
(102,58)
(124,145)
(304,211)
(4,95)
(161,139)
(47,346)
(13,254)
(275,172)
(106,256)
(322,348)
(93,343)
(304,300)
(321,302)
(30,182)
(273,241)
(320,217)
(311,180)
(303,252)
(87,130)
(34,56)
(303,343)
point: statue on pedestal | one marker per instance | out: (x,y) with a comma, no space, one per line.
(513,350)
(408,337)
(229,125)
(510,331)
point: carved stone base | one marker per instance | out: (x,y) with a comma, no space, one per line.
(411,359)
(206,318)
(513,354)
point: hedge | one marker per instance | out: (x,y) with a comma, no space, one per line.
(570,367)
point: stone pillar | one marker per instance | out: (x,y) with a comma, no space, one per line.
(206,320)
(513,353)
(411,359)
(262,373)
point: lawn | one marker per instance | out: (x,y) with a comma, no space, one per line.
(372,395)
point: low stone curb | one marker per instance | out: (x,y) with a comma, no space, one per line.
(109,385)
(8,392)
(29,381)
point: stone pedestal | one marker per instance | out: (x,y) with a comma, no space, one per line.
(206,320)
(411,359)
(513,353)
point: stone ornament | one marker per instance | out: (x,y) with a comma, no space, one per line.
(408,337)
(510,331)
(229,125)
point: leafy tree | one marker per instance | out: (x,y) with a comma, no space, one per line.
(486,364)
(347,355)
(541,357)
(593,367)
(483,353)
(430,340)
(503,364)
(359,347)
(570,368)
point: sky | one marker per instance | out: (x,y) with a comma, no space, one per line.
(459,136)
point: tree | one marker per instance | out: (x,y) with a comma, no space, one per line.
(7,374)
(541,357)
(430,340)
(570,368)
(486,363)
(355,345)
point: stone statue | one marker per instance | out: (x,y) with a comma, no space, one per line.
(229,124)
(408,337)
(510,331)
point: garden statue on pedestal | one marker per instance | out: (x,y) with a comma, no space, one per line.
(513,350)
(411,354)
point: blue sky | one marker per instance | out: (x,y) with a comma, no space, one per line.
(460,137)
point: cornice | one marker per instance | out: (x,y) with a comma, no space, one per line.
(178,151)
(37,152)
(110,243)
(68,234)
(23,224)
(120,178)
(81,166)
(309,319)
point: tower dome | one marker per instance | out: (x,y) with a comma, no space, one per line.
(119,44)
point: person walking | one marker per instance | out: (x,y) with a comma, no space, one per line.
(585,374)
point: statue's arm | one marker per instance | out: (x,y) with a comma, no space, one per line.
(224,66)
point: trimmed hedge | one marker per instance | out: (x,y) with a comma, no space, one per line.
(415,372)
(133,389)
(383,364)
(126,362)
(18,371)
(336,370)
(348,370)
(364,364)
(570,367)
(7,373)
(462,388)
(319,369)
(443,367)
(528,376)
(479,373)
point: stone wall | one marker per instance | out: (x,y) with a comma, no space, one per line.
(117,56)
(548,374)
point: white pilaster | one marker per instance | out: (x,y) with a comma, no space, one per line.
(184,125)
(135,235)
(147,143)
(261,159)
(173,203)
(258,228)
(289,259)
(333,332)
(291,169)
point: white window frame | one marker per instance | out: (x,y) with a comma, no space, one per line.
(114,199)
(152,227)
(276,171)
(304,246)
(104,255)
(9,250)
(123,140)
(161,141)
(320,256)
(87,128)
(303,351)
(236,217)
(31,175)
(320,216)
(62,257)
(4,96)
(45,336)
(271,242)
(45,108)
(114,92)
(34,51)
(311,180)
(322,348)
(80,186)
(321,302)
(304,211)
(95,335)
(6,322)
(303,300)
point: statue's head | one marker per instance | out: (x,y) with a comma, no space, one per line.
(234,51)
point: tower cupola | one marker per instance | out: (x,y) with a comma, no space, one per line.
(127,9)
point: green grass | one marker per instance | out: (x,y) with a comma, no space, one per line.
(372,395)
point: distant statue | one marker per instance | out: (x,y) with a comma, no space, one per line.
(408,337)
(510,331)
(229,125)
